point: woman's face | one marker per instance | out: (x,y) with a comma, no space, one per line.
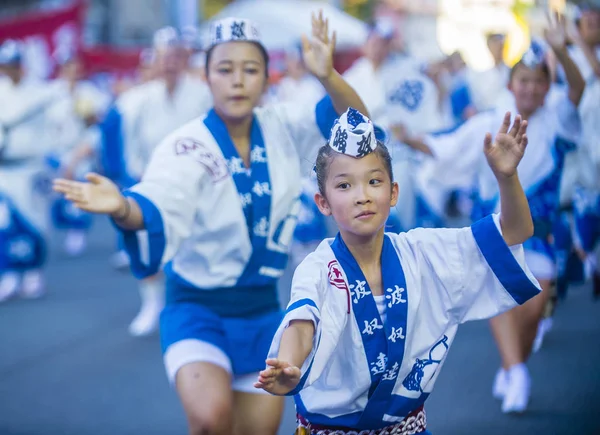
(237,78)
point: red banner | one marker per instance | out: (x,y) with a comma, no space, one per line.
(46,24)
(111,60)
(45,33)
(50,33)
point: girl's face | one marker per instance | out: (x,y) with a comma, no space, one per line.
(237,78)
(529,86)
(359,194)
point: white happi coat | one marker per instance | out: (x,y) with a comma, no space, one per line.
(127,107)
(66,128)
(588,155)
(195,217)
(308,90)
(397,93)
(459,162)
(23,147)
(489,87)
(581,61)
(151,114)
(366,374)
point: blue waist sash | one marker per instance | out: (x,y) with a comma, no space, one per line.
(240,301)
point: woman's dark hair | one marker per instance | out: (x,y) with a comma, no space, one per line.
(262,49)
(543,65)
(326,155)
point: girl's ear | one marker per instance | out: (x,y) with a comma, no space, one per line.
(395,192)
(321,202)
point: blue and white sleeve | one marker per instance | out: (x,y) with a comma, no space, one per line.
(567,119)
(167,195)
(305,304)
(496,277)
(473,273)
(459,151)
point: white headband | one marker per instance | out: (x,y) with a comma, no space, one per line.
(535,54)
(353,134)
(233,29)
(165,38)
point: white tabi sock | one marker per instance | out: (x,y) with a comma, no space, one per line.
(518,390)
(119,260)
(9,285)
(75,242)
(152,293)
(33,285)
(500,384)
(544,326)
(589,266)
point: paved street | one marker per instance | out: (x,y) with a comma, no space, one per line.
(68,366)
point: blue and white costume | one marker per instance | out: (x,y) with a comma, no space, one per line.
(138,121)
(303,91)
(64,214)
(311,226)
(145,114)
(68,130)
(488,88)
(24,181)
(223,231)
(553,130)
(587,191)
(119,158)
(375,359)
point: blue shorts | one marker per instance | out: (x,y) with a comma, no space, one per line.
(190,332)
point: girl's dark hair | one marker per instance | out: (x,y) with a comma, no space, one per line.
(543,65)
(326,155)
(262,49)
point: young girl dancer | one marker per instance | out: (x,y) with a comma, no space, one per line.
(373,314)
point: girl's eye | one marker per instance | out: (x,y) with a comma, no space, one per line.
(224,70)
(375,181)
(343,185)
(251,71)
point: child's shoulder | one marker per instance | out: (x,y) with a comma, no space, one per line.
(319,258)
(313,270)
(418,233)
(424,236)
